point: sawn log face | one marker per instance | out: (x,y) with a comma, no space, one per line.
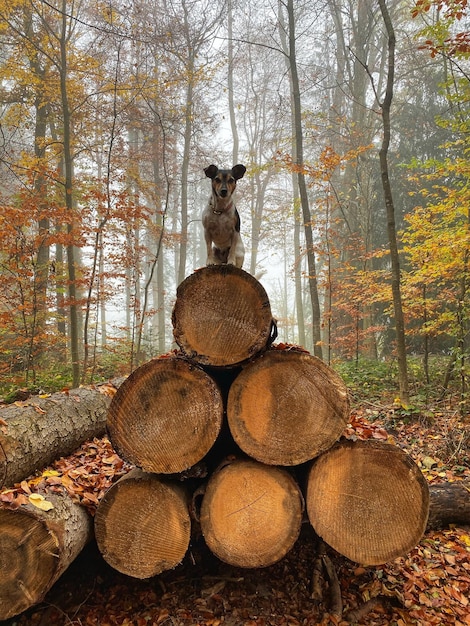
(286,407)
(166,416)
(142,525)
(35,549)
(221,316)
(368,500)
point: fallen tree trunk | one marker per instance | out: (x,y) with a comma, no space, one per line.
(222,316)
(449,503)
(36,547)
(166,415)
(286,407)
(251,513)
(368,500)
(40,430)
(142,525)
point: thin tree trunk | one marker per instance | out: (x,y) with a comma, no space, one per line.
(231,101)
(389,205)
(188,129)
(43,255)
(68,167)
(299,304)
(307,217)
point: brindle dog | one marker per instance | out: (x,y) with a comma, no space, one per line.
(220,218)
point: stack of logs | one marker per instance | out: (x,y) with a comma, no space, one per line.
(232,432)
(232,438)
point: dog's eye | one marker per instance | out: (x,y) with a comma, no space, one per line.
(231,180)
(218,179)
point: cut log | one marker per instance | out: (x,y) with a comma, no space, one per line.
(142,525)
(166,416)
(449,504)
(222,316)
(251,513)
(286,407)
(36,547)
(368,500)
(41,430)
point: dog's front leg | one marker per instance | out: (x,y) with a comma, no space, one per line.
(237,251)
(211,260)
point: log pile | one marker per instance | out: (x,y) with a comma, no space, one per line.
(233,438)
(248,428)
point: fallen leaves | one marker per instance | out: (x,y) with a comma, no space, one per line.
(430,586)
(40,502)
(85,476)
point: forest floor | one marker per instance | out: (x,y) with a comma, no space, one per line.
(428,586)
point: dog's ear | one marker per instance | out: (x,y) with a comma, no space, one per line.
(211,171)
(238,171)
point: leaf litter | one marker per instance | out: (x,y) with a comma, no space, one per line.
(428,586)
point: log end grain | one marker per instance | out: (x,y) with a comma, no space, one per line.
(221,316)
(251,514)
(166,416)
(286,407)
(368,500)
(35,549)
(142,525)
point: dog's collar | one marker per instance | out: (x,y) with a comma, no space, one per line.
(217,212)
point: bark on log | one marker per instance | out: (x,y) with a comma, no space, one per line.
(36,547)
(449,503)
(166,416)
(222,316)
(286,407)
(251,513)
(43,429)
(142,525)
(368,500)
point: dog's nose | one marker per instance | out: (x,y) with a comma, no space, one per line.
(223,192)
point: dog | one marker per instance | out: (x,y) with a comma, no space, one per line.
(220,218)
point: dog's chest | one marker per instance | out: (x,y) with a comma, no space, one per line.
(219,226)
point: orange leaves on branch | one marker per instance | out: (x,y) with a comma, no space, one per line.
(327,163)
(438,37)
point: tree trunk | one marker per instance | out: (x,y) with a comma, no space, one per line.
(368,500)
(449,503)
(166,416)
(41,430)
(251,514)
(68,192)
(230,87)
(389,205)
(36,547)
(142,525)
(299,161)
(222,316)
(287,407)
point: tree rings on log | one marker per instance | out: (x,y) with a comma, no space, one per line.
(221,316)
(36,547)
(142,525)
(368,500)
(166,416)
(286,407)
(251,514)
